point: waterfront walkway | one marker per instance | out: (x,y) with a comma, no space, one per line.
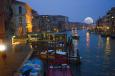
(15,58)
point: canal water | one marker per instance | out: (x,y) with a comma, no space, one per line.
(97,55)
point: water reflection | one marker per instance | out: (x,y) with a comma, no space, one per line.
(100,42)
(107,47)
(88,39)
(98,62)
(75,44)
(107,54)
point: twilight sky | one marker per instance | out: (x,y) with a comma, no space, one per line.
(76,10)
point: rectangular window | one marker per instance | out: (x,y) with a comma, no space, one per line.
(20,10)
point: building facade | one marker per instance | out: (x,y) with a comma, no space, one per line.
(53,23)
(107,22)
(22,18)
(35,21)
(5,16)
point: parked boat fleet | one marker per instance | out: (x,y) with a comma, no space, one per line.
(55,53)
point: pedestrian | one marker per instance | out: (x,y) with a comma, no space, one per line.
(4,57)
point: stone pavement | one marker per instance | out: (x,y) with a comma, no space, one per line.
(15,58)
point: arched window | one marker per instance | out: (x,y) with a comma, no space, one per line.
(20,10)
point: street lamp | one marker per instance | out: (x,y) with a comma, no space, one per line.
(107,28)
(2,48)
(13,39)
(112,17)
(2,52)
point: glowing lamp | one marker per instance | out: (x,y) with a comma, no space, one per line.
(112,17)
(2,47)
(108,28)
(13,36)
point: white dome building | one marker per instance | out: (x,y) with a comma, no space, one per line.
(88,20)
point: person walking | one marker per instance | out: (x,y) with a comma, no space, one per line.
(4,57)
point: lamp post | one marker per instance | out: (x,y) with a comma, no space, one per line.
(113,20)
(2,47)
(2,52)
(113,23)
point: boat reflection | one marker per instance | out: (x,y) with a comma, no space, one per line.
(75,34)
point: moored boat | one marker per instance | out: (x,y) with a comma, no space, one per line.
(75,35)
(32,67)
(53,51)
(59,70)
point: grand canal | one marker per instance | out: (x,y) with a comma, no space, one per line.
(97,55)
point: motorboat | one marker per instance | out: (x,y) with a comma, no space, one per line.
(32,67)
(75,35)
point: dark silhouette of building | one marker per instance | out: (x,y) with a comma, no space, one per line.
(5,16)
(107,22)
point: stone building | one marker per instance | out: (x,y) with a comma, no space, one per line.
(35,21)
(5,16)
(107,22)
(53,23)
(22,18)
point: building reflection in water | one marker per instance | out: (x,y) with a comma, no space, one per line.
(100,42)
(88,39)
(107,47)
(107,54)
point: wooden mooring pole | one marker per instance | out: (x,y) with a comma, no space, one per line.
(78,57)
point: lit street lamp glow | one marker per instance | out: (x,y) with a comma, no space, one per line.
(2,48)
(108,28)
(112,17)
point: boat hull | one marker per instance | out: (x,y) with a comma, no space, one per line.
(75,37)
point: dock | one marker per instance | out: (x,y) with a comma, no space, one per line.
(15,58)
